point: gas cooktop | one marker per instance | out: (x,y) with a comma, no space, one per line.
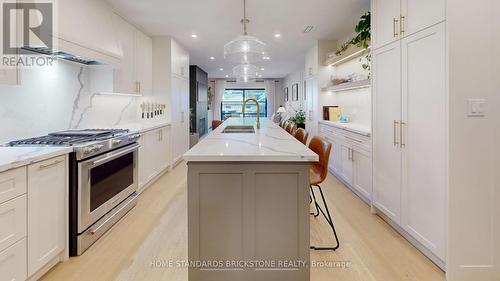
(71,137)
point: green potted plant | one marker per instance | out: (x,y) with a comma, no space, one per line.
(299,119)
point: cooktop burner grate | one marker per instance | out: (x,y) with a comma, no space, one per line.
(71,137)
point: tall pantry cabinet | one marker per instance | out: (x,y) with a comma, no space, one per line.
(171,85)
(410,119)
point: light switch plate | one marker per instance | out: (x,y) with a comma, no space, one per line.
(476,107)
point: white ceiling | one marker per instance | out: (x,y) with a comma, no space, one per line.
(216,22)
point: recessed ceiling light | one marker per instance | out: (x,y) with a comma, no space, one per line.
(262,69)
(260,75)
(263,53)
(194,35)
(277,35)
(212,58)
(221,69)
(227,76)
(266,58)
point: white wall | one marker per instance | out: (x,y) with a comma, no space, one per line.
(62,97)
(297,77)
(356,103)
(474,194)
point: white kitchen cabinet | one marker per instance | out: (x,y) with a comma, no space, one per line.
(180,118)
(350,159)
(385,21)
(47,205)
(13,262)
(12,184)
(424,137)
(420,14)
(394,19)
(410,173)
(180,60)
(386,63)
(346,171)
(135,74)
(13,221)
(144,63)
(154,155)
(336,156)
(124,77)
(362,167)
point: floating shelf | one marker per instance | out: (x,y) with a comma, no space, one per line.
(351,53)
(349,86)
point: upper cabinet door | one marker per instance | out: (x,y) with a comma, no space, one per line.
(385,21)
(420,14)
(386,67)
(180,60)
(125,76)
(144,63)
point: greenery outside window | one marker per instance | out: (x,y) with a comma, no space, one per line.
(232,102)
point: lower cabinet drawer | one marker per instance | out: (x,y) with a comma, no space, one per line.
(13,262)
(12,221)
(12,184)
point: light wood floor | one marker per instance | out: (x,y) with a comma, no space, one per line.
(156,231)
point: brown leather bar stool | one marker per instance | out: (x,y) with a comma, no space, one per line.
(289,128)
(317,174)
(301,135)
(216,123)
(283,124)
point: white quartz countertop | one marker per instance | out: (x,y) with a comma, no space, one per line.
(141,127)
(14,157)
(352,127)
(269,144)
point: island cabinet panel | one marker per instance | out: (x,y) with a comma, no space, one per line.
(246,212)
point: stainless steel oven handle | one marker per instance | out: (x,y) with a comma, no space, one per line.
(93,231)
(115,155)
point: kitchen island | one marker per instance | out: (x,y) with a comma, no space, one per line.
(248,204)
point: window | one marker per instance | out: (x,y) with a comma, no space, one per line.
(232,102)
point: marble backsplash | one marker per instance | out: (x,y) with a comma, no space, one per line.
(64,96)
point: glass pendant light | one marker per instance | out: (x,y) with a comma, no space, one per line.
(244,49)
(245,72)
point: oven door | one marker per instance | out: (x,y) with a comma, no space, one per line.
(104,182)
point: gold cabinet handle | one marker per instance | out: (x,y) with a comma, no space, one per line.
(395,26)
(396,124)
(402,25)
(403,144)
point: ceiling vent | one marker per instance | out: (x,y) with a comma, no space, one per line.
(308,28)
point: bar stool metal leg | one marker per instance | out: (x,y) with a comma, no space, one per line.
(328,219)
(315,203)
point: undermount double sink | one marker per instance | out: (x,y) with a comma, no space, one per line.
(239,129)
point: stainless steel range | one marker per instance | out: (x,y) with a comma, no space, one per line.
(103,180)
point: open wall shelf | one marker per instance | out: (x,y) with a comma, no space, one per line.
(348,86)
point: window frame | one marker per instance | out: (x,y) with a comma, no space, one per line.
(244,90)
